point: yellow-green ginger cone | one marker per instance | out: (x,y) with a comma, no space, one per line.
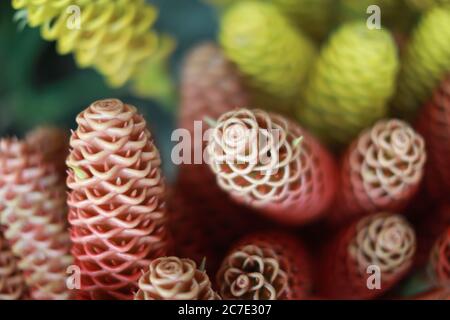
(426,61)
(270,52)
(351,83)
(314,17)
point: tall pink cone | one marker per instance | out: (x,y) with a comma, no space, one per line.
(117,199)
(271,164)
(381,170)
(266,266)
(377,246)
(33,211)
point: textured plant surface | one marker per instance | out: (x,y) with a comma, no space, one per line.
(381,170)
(114,37)
(440,259)
(434,125)
(204,220)
(172,278)
(351,83)
(383,240)
(258,159)
(269,51)
(32,209)
(116,203)
(425,62)
(210,86)
(265,266)
(12,284)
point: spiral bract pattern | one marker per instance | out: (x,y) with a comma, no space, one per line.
(117,199)
(271,164)
(172,278)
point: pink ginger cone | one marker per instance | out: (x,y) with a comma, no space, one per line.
(33,210)
(172,278)
(272,165)
(266,266)
(117,199)
(380,171)
(383,240)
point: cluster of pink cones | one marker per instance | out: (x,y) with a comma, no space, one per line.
(243,224)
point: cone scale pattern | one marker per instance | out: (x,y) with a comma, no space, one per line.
(351,83)
(116,204)
(115,37)
(259,160)
(203,219)
(383,240)
(12,284)
(425,62)
(172,278)
(381,170)
(265,266)
(33,211)
(434,125)
(440,259)
(273,56)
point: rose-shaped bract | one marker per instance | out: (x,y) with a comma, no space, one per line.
(382,242)
(172,278)
(381,170)
(265,266)
(269,163)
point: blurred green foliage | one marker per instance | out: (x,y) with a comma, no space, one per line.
(39,87)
